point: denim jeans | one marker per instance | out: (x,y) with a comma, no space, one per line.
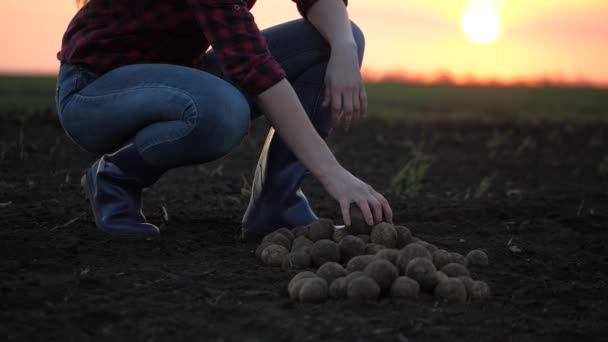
(183,116)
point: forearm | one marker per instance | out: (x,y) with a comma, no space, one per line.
(284,111)
(330,18)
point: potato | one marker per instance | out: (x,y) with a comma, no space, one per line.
(362,288)
(277,239)
(296,261)
(467,282)
(294,293)
(384,234)
(339,234)
(480,290)
(301,244)
(359,263)
(323,251)
(457,258)
(314,290)
(337,289)
(321,229)
(429,246)
(451,290)
(286,233)
(364,237)
(476,257)
(423,271)
(300,231)
(405,287)
(260,248)
(331,271)
(455,270)
(409,252)
(441,276)
(373,248)
(273,255)
(350,246)
(353,275)
(441,258)
(383,272)
(404,236)
(388,254)
(358,224)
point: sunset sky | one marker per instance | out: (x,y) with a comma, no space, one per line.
(561,39)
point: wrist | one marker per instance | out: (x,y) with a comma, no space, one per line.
(327,171)
(343,47)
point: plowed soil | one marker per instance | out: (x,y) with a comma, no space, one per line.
(534,196)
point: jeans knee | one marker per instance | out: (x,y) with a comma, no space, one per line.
(229,124)
(359,39)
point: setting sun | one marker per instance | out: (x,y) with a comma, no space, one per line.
(480,23)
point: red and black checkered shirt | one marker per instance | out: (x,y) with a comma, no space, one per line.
(106,34)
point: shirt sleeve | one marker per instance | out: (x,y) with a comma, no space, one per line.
(305,5)
(241,49)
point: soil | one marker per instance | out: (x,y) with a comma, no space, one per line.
(531,195)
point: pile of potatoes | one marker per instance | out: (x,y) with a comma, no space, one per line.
(366,263)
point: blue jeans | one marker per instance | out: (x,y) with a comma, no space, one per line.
(183,116)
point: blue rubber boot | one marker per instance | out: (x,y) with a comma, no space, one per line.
(114,185)
(276,198)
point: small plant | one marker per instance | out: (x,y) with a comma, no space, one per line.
(484,185)
(409,179)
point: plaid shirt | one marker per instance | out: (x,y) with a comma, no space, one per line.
(106,34)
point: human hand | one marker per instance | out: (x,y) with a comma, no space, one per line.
(344,88)
(347,189)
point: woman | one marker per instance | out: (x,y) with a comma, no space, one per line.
(136,86)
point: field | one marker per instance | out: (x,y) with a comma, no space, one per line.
(519,172)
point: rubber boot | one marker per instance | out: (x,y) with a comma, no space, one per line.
(276,198)
(114,185)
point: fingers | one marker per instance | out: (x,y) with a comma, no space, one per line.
(348,110)
(345,208)
(367,213)
(363,102)
(385,207)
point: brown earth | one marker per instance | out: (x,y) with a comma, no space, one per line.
(61,280)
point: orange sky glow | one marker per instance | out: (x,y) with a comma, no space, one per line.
(565,41)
